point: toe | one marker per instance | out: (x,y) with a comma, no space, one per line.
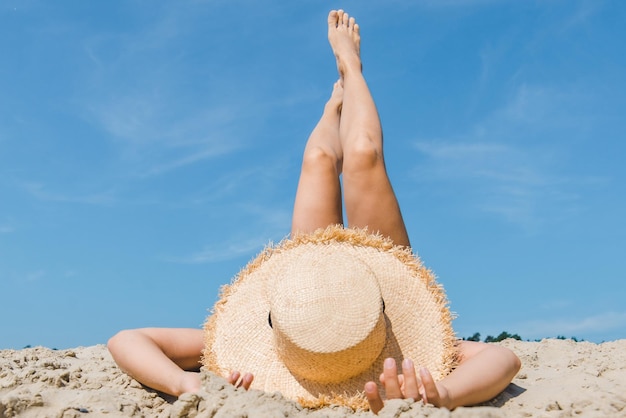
(332,18)
(340,14)
(346,20)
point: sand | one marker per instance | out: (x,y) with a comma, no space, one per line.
(559,378)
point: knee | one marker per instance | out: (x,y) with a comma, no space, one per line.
(362,155)
(320,159)
(122,340)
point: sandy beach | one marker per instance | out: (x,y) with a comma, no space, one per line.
(559,378)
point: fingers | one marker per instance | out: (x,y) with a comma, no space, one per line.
(234,377)
(406,385)
(390,380)
(411,382)
(400,379)
(239,381)
(430,394)
(373,397)
(246,381)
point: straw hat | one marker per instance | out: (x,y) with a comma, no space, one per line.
(315,316)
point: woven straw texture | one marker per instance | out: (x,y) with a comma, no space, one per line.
(416,318)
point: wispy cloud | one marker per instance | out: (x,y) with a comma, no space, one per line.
(583,11)
(40,192)
(509,163)
(166,105)
(34,276)
(275,221)
(223,186)
(7,227)
(263,225)
(501,179)
(138,92)
(192,157)
(442,4)
(154,142)
(456,3)
(222,251)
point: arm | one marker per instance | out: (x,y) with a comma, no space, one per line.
(161,358)
(484,371)
(165,359)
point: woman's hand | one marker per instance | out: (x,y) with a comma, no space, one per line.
(405,385)
(236,379)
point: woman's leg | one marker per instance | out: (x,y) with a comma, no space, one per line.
(318,198)
(369,198)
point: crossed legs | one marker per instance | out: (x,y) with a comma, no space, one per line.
(347,141)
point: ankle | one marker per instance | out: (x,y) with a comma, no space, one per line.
(333,108)
(350,65)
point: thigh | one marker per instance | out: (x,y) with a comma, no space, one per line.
(371,202)
(318,198)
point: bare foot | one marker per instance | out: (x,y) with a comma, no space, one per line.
(344,38)
(336,98)
(330,123)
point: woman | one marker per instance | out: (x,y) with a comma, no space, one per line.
(348,142)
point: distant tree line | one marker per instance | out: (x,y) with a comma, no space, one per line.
(504,335)
(476,337)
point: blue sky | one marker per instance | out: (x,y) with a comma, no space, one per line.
(149,149)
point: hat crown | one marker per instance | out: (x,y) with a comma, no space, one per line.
(327,316)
